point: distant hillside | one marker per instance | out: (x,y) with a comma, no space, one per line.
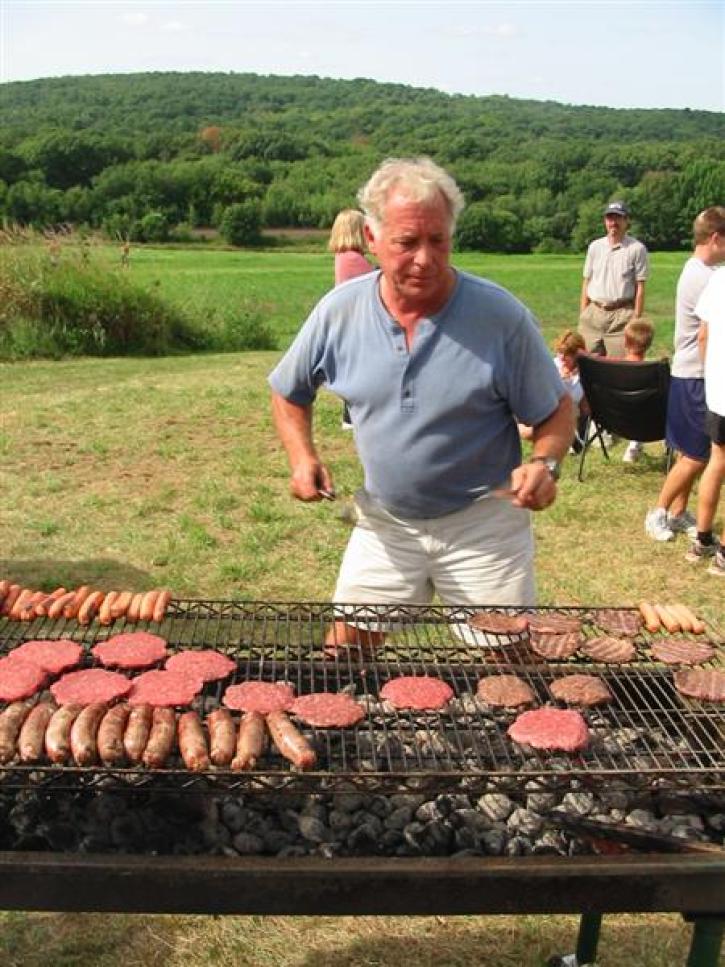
(140,154)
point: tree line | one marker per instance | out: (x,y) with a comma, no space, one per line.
(153,156)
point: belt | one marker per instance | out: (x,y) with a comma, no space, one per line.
(611,306)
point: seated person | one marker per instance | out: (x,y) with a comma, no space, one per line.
(638,336)
(566,349)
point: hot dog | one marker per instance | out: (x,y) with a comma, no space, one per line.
(41,608)
(57,735)
(27,612)
(105,616)
(11,720)
(110,734)
(161,740)
(162,603)
(20,602)
(192,742)
(57,608)
(222,736)
(136,736)
(84,732)
(73,607)
(89,608)
(32,734)
(12,595)
(696,626)
(148,603)
(649,616)
(121,604)
(668,620)
(290,741)
(134,608)
(252,741)
(682,616)
(4,588)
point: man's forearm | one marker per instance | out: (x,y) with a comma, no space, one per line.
(584,299)
(639,299)
(554,436)
(294,427)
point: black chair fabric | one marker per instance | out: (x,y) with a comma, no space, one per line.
(626,399)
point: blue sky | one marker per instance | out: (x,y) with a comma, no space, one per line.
(618,54)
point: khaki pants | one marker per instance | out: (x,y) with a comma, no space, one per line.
(603,331)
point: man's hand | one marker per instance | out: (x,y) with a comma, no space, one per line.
(533,486)
(309,480)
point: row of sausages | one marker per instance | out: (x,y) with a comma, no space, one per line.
(82,604)
(140,734)
(671,617)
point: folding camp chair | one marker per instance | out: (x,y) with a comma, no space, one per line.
(626,399)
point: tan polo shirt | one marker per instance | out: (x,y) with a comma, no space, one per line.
(614,270)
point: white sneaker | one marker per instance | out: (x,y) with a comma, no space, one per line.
(656,525)
(633,452)
(683,523)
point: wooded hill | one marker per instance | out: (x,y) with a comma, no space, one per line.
(153,155)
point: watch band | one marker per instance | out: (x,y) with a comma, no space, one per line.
(551,464)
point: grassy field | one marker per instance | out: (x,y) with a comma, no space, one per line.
(139,473)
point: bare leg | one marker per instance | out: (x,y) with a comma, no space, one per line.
(342,636)
(710,484)
(678,483)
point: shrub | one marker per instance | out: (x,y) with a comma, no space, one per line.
(240,224)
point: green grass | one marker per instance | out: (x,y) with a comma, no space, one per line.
(142,472)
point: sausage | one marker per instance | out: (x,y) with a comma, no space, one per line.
(682,616)
(121,604)
(89,608)
(27,612)
(110,734)
(84,732)
(105,616)
(4,588)
(222,736)
(73,607)
(252,741)
(11,720)
(41,608)
(57,608)
(668,620)
(649,616)
(32,734)
(134,608)
(136,736)
(162,603)
(696,626)
(290,741)
(57,735)
(148,603)
(20,602)
(192,742)
(11,597)
(161,739)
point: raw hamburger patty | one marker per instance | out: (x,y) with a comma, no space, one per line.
(618,621)
(682,651)
(581,690)
(89,686)
(615,651)
(328,710)
(161,688)
(553,624)
(499,624)
(134,649)
(556,646)
(508,690)
(206,664)
(19,678)
(53,656)
(551,728)
(264,697)
(707,684)
(417,691)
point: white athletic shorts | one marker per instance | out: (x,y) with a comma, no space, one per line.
(482,555)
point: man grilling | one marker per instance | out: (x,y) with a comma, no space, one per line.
(436,366)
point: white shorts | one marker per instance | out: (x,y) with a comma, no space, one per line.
(482,555)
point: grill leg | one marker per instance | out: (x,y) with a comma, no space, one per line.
(706,942)
(586,942)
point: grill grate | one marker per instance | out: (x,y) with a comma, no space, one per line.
(649,735)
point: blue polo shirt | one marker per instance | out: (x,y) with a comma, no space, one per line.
(436,423)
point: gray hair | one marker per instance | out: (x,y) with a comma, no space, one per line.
(419,178)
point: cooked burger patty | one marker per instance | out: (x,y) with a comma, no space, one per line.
(581,690)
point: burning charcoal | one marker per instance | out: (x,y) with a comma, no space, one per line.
(379,806)
(465,839)
(614,799)
(716,821)
(313,829)
(293,851)
(687,822)
(541,802)
(214,834)
(525,822)
(577,803)
(327,851)
(463,853)
(349,802)
(496,806)
(364,839)
(31,843)
(643,819)
(494,841)
(399,818)
(550,843)
(437,838)
(339,820)
(233,815)
(428,811)
(399,799)
(127,832)
(413,834)
(289,820)
(391,839)
(471,819)
(275,840)
(518,846)
(315,809)
(247,844)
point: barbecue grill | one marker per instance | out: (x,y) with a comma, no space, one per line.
(649,737)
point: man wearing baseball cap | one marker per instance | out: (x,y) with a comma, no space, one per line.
(615,271)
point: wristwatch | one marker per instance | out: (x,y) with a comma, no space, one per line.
(552,465)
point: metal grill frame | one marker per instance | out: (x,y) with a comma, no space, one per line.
(283,640)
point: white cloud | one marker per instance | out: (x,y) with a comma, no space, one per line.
(175,26)
(135,19)
(501,30)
